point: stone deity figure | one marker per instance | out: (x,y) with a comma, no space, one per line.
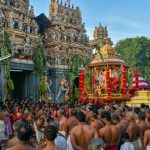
(48,95)
(65,37)
(20,25)
(80,37)
(12,23)
(63,89)
(28,29)
(53,35)
(72,37)
(36,31)
(59,36)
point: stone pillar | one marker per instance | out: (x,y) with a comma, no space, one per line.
(31,89)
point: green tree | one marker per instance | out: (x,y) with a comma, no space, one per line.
(39,58)
(136,52)
(5,49)
(74,71)
(40,63)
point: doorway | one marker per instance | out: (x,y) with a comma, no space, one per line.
(19,84)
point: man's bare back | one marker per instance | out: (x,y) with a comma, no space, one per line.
(147,138)
(143,127)
(13,142)
(51,147)
(110,135)
(133,131)
(122,127)
(21,146)
(81,136)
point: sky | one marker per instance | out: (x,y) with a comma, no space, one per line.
(124,18)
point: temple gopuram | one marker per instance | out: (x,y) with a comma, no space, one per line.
(19,22)
(100,35)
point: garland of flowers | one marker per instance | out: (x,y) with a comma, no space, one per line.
(40,63)
(5,47)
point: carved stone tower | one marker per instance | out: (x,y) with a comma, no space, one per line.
(100,35)
(66,35)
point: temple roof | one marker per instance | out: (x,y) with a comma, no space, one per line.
(107,56)
(43,22)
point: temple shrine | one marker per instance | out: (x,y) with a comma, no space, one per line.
(108,78)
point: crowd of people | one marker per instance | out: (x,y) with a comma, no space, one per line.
(29,125)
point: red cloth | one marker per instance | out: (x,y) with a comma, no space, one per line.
(112,147)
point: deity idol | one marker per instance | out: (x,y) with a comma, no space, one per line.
(63,89)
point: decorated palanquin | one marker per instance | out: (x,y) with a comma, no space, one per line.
(104,81)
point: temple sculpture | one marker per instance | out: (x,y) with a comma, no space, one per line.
(20,24)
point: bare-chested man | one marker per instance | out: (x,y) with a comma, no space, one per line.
(72,120)
(142,124)
(147,139)
(96,123)
(15,139)
(121,125)
(81,134)
(133,130)
(62,122)
(23,134)
(147,136)
(148,116)
(50,134)
(109,133)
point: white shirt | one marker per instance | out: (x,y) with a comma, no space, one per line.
(61,142)
(127,146)
(2,131)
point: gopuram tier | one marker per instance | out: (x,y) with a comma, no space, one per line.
(19,22)
(65,36)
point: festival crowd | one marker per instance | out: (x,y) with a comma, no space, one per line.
(29,125)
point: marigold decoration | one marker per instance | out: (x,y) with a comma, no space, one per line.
(108,79)
(81,85)
(124,83)
(108,85)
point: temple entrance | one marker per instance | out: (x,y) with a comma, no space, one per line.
(19,84)
(23,83)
